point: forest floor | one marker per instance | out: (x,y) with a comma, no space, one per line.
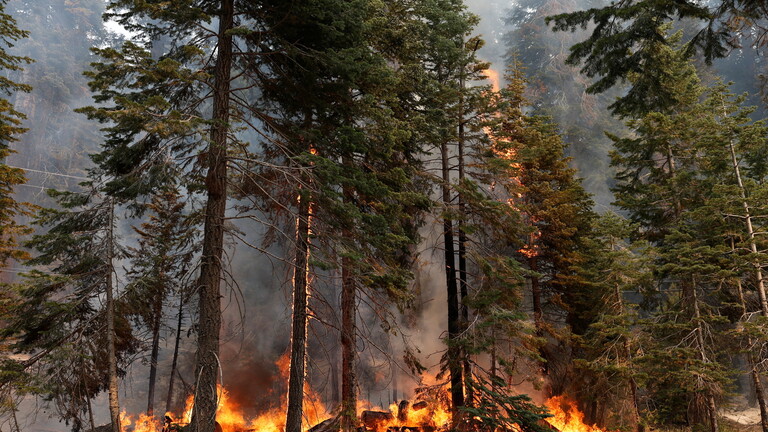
(745,420)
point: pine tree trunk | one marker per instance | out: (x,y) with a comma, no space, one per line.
(348,348)
(750,232)
(90,415)
(752,362)
(711,403)
(114,403)
(463,286)
(12,408)
(394,382)
(335,384)
(207,367)
(175,359)
(538,311)
(153,357)
(759,392)
(627,354)
(759,388)
(632,389)
(299,324)
(493,358)
(454,360)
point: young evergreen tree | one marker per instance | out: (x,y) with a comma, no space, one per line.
(665,190)
(160,268)
(611,344)
(728,141)
(68,316)
(13,210)
(10,128)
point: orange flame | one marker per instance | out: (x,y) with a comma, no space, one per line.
(230,413)
(568,418)
(493,77)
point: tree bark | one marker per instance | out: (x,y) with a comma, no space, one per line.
(207,367)
(300,317)
(463,285)
(348,348)
(114,402)
(157,312)
(627,354)
(175,359)
(90,415)
(454,360)
(711,403)
(538,311)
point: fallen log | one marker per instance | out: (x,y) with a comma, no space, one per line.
(372,420)
(332,424)
(402,410)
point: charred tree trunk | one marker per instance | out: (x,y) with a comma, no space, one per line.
(454,355)
(335,384)
(538,311)
(114,402)
(394,378)
(348,351)
(175,359)
(157,313)
(300,317)
(463,286)
(207,366)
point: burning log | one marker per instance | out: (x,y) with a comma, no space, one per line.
(418,406)
(332,424)
(403,429)
(547,426)
(402,410)
(372,420)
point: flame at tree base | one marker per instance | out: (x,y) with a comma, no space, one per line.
(431,413)
(567,417)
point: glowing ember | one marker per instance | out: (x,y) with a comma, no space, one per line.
(568,418)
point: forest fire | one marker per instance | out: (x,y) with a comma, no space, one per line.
(405,416)
(567,417)
(231,415)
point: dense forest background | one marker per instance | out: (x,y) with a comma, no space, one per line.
(504,209)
